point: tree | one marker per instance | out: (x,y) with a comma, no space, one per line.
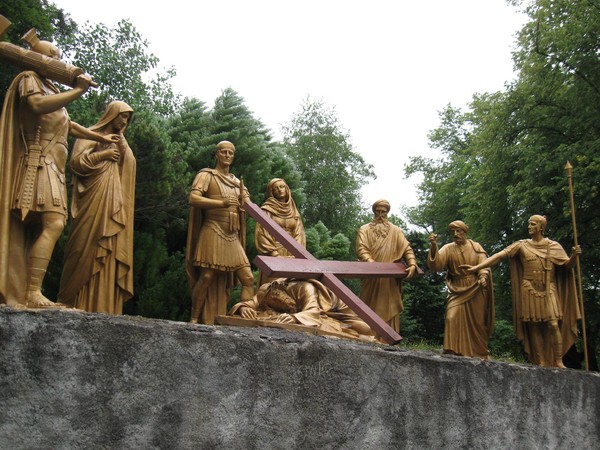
(117,59)
(322,245)
(334,173)
(442,177)
(189,129)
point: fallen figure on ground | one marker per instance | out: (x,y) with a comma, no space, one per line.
(303,302)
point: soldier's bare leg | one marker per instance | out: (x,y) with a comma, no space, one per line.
(537,343)
(556,336)
(200,291)
(39,256)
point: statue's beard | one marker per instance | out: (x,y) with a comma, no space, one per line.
(380,227)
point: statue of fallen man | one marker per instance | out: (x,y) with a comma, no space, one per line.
(303,302)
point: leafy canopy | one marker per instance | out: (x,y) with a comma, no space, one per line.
(333,171)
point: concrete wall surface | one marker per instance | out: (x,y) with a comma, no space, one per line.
(76,380)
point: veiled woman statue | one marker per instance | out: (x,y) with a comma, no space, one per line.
(280,205)
(98,271)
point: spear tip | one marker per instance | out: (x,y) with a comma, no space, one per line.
(568,166)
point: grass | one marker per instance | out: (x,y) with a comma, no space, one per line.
(426,346)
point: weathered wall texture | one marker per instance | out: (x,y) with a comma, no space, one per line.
(77,380)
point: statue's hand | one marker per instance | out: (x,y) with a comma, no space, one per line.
(411,271)
(231,201)
(467,268)
(482,281)
(83,82)
(110,154)
(111,138)
(285,318)
(247,312)
(576,250)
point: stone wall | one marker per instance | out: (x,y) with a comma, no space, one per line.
(77,380)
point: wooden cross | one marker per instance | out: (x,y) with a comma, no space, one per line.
(305,265)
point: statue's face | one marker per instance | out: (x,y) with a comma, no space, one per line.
(279,191)
(458,234)
(534,227)
(381,213)
(120,122)
(225,156)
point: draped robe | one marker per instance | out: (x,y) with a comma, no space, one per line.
(470,313)
(98,270)
(383,295)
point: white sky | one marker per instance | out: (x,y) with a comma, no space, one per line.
(387,66)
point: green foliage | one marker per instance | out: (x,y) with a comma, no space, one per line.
(322,245)
(161,212)
(337,248)
(233,121)
(189,130)
(117,59)
(333,171)
(424,299)
(313,240)
(163,290)
(49,21)
(160,188)
(504,343)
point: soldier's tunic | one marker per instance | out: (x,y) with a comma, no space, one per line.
(219,245)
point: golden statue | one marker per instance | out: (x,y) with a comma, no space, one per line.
(303,302)
(545,308)
(470,306)
(98,271)
(215,246)
(382,241)
(280,206)
(34,127)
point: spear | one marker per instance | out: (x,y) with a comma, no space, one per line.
(569,169)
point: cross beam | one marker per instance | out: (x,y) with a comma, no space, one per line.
(321,271)
(273,266)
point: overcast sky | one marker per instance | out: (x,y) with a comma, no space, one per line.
(386,66)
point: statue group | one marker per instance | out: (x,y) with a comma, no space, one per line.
(545,307)
(98,267)
(33,193)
